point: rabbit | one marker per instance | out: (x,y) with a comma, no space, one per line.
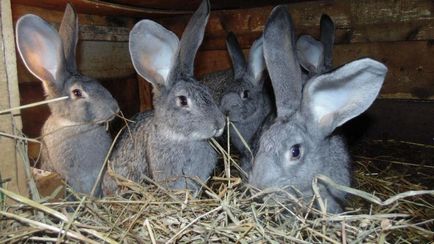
(246,100)
(316,57)
(74,140)
(300,143)
(169,144)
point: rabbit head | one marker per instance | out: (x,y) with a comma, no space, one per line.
(315,56)
(51,57)
(300,144)
(244,98)
(184,106)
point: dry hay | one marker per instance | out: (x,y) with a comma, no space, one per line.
(230,211)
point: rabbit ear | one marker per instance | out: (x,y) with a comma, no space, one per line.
(310,53)
(190,42)
(152,50)
(41,50)
(256,62)
(281,62)
(68,32)
(336,97)
(327,29)
(237,56)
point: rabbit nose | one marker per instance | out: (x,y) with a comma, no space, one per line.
(218,132)
(219,126)
(115,108)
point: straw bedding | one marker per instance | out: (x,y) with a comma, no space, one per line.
(391,202)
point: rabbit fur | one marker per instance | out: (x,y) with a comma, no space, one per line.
(244,98)
(74,141)
(300,143)
(316,57)
(169,144)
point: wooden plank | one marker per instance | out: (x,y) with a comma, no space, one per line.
(406,120)
(145,94)
(96,59)
(92,27)
(356,21)
(11,164)
(410,76)
(102,8)
(192,4)
(411,73)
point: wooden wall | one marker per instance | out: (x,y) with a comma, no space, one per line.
(12,169)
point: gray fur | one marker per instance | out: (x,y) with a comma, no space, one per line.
(246,113)
(170,144)
(316,57)
(74,143)
(326,102)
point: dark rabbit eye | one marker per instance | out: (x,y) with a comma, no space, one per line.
(182,101)
(245,94)
(77,93)
(295,152)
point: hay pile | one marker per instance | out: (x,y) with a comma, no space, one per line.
(230,211)
(400,173)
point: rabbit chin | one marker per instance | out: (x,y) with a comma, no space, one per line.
(195,135)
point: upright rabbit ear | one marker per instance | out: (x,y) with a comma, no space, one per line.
(256,64)
(336,97)
(327,29)
(237,56)
(310,53)
(152,50)
(68,32)
(281,62)
(41,49)
(190,42)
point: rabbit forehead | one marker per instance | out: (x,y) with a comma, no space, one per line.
(285,133)
(89,85)
(240,85)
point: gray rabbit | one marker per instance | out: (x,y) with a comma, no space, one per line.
(244,98)
(169,144)
(300,143)
(314,56)
(74,142)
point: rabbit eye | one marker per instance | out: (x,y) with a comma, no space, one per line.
(295,152)
(245,94)
(182,101)
(77,93)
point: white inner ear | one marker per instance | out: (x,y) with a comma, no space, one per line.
(310,53)
(256,59)
(346,92)
(160,56)
(153,49)
(40,48)
(328,100)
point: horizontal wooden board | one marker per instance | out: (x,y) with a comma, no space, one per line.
(92,27)
(410,76)
(356,21)
(142,8)
(406,120)
(97,59)
(102,8)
